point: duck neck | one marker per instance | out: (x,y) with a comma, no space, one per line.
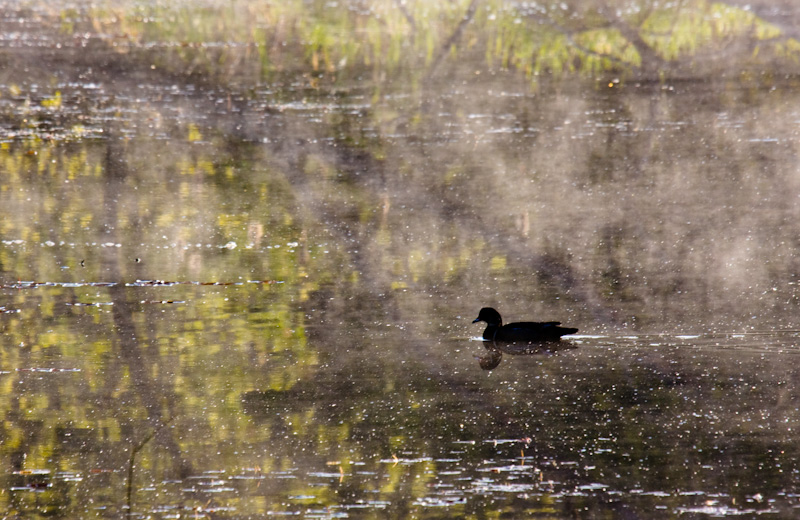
(491,331)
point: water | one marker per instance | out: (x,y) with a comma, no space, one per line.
(224,295)
(642,424)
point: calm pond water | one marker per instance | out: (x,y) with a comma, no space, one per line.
(254,298)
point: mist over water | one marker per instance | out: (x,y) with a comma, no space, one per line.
(240,259)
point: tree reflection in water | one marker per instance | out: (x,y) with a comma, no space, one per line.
(247,233)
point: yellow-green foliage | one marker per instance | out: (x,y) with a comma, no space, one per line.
(343,41)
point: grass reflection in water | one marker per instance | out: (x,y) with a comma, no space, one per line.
(229,298)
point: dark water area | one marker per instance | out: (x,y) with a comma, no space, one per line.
(235,295)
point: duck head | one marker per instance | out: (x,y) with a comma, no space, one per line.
(490,316)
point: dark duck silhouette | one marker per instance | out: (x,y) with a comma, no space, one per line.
(520,332)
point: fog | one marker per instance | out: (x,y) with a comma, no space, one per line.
(242,247)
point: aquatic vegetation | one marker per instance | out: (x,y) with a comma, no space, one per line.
(416,39)
(242,244)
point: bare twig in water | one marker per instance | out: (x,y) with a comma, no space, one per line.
(410,19)
(445,48)
(651,61)
(568,35)
(132,460)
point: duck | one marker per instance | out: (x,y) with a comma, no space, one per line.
(520,332)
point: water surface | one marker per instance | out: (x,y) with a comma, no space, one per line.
(254,298)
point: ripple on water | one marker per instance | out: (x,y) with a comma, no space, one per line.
(718,510)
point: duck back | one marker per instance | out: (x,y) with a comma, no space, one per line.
(527,331)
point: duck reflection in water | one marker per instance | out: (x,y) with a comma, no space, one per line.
(521,338)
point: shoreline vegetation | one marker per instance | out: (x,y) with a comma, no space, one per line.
(344,42)
(242,245)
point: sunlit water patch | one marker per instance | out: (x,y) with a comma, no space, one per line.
(226,299)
